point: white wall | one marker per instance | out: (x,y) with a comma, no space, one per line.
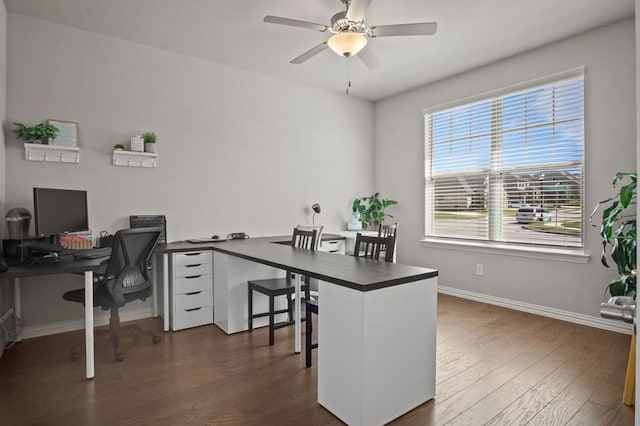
(238,151)
(608,54)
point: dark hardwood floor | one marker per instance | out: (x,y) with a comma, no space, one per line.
(495,366)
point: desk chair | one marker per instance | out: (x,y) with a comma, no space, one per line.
(125,278)
(389,231)
(281,287)
(367,247)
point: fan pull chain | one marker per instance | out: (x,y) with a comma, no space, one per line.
(348,74)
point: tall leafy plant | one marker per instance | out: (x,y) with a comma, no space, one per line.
(618,233)
(372,209)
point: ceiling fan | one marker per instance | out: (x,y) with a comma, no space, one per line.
(350,33)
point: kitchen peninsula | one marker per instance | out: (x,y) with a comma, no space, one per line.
(377,328)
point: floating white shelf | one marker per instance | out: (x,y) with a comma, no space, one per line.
(51,153)
(134,159)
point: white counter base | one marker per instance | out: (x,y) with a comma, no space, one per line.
(230,289)
(376,350)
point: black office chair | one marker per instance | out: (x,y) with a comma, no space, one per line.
(275,287)
(126,278)
(367,247)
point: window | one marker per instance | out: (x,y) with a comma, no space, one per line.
(508,168)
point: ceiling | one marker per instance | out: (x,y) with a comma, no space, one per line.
(470,33)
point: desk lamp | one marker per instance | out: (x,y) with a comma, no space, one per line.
(316,210)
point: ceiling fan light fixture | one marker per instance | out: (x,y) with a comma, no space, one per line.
(347,43)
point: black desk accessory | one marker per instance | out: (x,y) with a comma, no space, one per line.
(150,221)
(95,253)
(213,239)
(42,246)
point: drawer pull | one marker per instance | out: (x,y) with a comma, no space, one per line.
(193,254)
(193,309)
(193,293)
(193,266)
(193,276)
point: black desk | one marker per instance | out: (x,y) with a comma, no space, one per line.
(66,265)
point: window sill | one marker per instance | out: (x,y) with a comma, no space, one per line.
(576,255)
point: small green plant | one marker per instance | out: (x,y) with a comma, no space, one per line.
(119,146)
(149,137)
(372,209)
(619,235)
(38,132)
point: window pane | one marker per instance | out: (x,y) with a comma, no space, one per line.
(531,144)
(460,208)
(543,207)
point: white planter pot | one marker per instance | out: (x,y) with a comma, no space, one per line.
(150,147)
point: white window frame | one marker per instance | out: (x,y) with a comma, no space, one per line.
(572,254)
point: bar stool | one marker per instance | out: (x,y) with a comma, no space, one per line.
(275,287)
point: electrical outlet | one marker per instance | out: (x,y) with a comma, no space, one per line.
(479,269)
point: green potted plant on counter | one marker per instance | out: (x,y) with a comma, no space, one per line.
(40,133)
(372,209)
(119,147)
(618,234)
(149,142)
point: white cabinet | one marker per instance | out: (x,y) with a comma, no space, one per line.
(336,246)
(191,289)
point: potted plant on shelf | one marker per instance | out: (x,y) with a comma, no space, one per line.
(40,133)
(618,233)
(372,209)
(118,147)
(149,142)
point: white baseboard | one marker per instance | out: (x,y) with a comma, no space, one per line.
(591,321)
(100,318)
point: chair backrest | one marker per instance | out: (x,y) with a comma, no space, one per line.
(389,231)
(128,268)
(305,239)
(370,247)
(318,228)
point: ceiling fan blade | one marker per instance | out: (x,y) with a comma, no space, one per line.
(294,23)
(420,29)
(309,54)
(357,10)
(370,60)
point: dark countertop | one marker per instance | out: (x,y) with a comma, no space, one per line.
(66,265)
(178,246)
(348,271)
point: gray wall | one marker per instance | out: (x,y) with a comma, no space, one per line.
(608,56)
(5,291)
(238,151)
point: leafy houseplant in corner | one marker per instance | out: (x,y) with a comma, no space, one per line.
(149,142)
(40,133)
(618,233)
(372,209)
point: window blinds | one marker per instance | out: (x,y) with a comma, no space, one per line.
(508,168)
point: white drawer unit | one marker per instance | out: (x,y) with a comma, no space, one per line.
(191,289)
(333,246)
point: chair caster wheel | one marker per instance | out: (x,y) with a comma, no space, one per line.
(74,356)
(156,339)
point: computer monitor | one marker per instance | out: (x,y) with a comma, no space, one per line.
(59,210)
